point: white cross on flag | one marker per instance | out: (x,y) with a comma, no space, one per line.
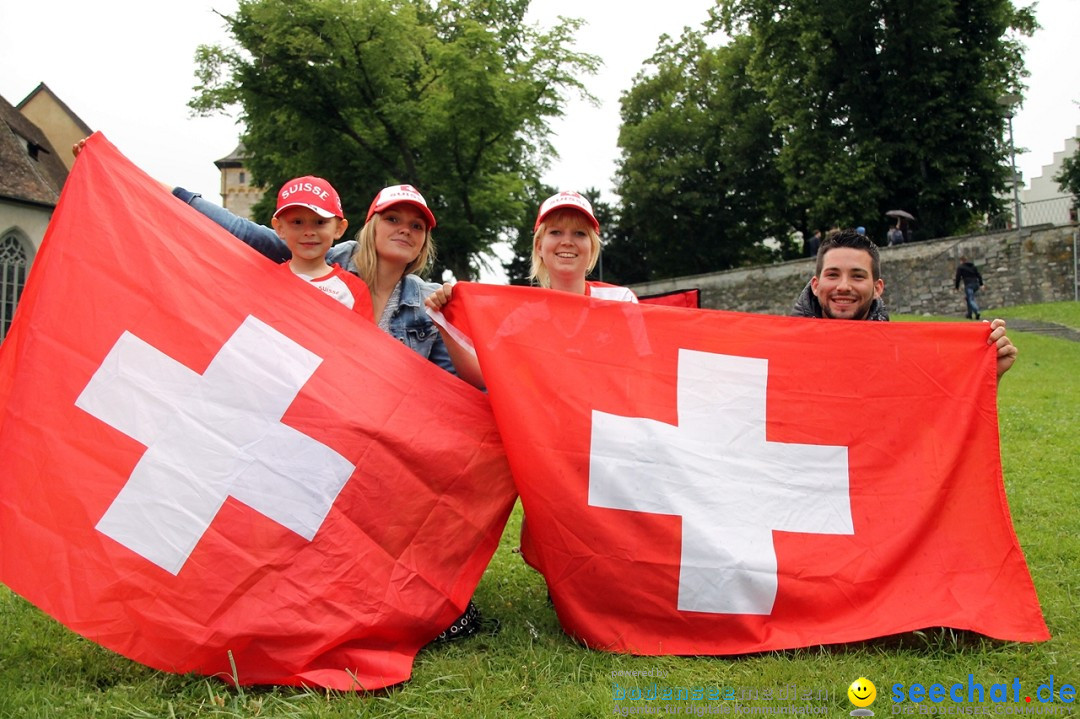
(703,482)
(730,485)
(211,437)
(205,460)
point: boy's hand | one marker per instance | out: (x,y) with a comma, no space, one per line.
(438,299)
(78,147)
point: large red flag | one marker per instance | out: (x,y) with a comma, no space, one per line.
(205,459)
(703,482)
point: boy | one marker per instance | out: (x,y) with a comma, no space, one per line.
(309,219)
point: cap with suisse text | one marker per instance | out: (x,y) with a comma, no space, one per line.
(311,192)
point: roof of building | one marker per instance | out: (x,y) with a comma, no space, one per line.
(233,159)
(42,88)
(30,169)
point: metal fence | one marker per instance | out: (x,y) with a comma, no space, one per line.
(1055,211)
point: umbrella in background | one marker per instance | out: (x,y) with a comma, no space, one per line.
(900,213)
(901,233)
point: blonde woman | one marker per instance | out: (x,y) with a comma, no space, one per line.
(566,247)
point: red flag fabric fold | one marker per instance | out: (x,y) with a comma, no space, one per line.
(675,298)
(206,460)
(706,482)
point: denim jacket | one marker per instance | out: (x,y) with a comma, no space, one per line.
(410,323)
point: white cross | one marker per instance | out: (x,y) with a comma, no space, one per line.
(210,437)
(731,487)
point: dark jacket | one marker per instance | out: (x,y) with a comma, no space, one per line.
(807,305)
(969,274)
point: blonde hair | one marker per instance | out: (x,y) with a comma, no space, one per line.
(367,261)
(577,220)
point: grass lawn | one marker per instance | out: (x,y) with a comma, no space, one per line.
(1063,313)
(529,668)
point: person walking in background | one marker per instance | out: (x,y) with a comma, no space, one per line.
(968,273)
(813,244)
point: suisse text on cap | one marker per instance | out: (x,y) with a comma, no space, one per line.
(304,187)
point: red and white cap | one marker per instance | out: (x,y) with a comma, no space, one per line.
(314,193)
(568,199)
(396,194)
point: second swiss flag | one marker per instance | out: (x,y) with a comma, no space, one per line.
(702,482)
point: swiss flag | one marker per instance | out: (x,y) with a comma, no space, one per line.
(704,482)
(209,464)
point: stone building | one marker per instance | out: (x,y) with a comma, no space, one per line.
(35,157)
(237,193)
(55,119)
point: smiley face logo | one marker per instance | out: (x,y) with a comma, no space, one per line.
(862,692)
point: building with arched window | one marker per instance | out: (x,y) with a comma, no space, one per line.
(15,252)
(32,173)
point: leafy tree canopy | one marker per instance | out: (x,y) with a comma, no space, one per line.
(1069,177)
(889,104)
(816,113)
(452,96)
(697,175)
(518,267)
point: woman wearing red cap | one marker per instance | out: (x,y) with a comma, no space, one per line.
(566,248)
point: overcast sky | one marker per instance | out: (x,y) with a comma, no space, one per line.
(126,68)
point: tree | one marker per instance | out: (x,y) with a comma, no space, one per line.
(697,174)
(452,96)
(1069,177)
(887,104)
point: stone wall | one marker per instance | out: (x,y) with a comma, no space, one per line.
(1033,265)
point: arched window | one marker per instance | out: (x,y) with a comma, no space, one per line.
(14,264)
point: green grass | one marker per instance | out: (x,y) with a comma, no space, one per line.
(1063,313)
(531,669)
